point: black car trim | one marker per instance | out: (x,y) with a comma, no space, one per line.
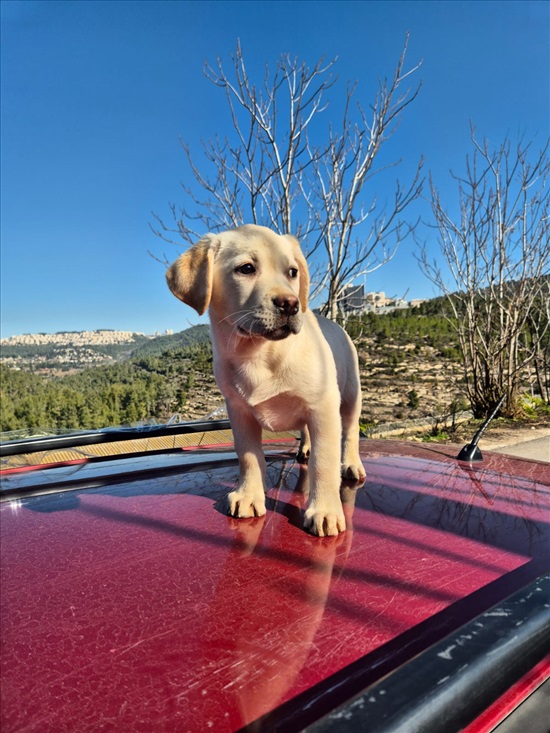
(90,475)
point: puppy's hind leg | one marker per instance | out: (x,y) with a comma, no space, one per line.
(352,467)
(304,451)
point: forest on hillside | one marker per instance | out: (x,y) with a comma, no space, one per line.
(146,388)
(162,375)
(173,375)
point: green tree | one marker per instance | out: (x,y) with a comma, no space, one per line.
(414,399)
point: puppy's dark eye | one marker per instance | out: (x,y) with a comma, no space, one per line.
(293,273)
(247,269)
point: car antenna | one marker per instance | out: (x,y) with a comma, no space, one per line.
(471,452)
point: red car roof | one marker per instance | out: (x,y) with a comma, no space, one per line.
(131,602)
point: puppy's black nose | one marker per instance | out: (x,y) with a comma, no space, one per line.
(288,305)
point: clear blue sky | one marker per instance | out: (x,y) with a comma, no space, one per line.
(95,96)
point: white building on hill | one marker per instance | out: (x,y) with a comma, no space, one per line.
(354,300)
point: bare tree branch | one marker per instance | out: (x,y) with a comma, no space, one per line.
(493,265)
(277,169)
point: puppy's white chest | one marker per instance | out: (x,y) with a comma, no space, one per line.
(276,402)
(258,384)
(283,412)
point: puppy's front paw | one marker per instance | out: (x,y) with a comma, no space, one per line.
(325,520)
(245,505)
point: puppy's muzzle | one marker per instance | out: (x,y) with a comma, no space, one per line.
(278,321)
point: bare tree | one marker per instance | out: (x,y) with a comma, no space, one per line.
(279,169)
(537,341)
(357,237)
(493,264)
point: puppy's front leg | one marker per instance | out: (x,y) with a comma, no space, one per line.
(325,515)
(248,500)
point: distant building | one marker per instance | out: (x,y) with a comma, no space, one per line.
(101,337)
(354,300)
(376,302)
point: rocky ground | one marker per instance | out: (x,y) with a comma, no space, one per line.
(406,383)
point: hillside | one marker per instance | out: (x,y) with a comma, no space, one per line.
(190,337)
(145,389)
(409,368)
(54,354)
(409,360)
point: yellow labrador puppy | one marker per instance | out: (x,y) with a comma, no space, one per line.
(278,365)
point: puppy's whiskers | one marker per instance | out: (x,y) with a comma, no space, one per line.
(244,323)
(238,323)
(236,313)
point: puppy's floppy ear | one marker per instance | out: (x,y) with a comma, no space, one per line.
(304,272)
(190,277)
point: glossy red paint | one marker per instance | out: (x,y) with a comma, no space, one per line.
(140,606)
